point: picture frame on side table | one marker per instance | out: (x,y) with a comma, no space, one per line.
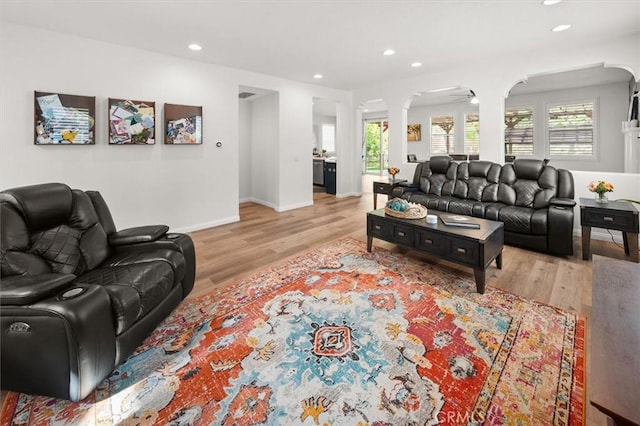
(182,124)
(413,133)
(131,122)
(61,119)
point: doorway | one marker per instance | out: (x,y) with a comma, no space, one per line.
(376,146)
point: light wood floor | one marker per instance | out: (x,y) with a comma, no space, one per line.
(264,237)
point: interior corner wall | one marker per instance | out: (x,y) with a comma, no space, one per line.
(244,148)
(295,171)
(264,150)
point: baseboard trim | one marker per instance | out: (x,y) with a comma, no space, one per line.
(294,206)
(349,194)
(205,225)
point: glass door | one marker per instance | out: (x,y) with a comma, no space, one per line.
(376,147)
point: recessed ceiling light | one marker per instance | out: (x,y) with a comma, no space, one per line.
(317,76)
(562,27)
(550,2)
(195,46)
(416,64)
(389,52)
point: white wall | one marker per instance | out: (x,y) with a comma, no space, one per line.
(422,115)
(185,187)
(244,150)
(611,110)
(263,170)
(182,186)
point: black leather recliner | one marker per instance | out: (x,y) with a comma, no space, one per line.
(78,297)
(533,200)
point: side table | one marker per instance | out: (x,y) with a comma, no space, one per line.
(384,187)
(615,215)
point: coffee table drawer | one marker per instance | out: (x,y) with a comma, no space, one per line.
(403,235)
(379,228)
(430,242)
(464,251)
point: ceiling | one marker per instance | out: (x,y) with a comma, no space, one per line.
(342,40)
(583,77)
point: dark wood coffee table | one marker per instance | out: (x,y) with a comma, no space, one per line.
(475,248)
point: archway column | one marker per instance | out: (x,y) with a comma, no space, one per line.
(491,110)
(397,114)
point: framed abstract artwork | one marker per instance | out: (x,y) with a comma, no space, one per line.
(183,124)
(61,119)
(131,122)
(413,133)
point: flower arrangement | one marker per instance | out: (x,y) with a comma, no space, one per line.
(393,171)
(601,188)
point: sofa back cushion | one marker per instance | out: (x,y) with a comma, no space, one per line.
(42,206)
(438,176)
(102,210)
(477,180)
(527,183)
(14,243)
(50,228)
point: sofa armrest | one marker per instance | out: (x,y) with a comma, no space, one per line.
(139,234)
(22,290)
(61,346)
(403,188)
(408,185)
(562,202)
(560,226)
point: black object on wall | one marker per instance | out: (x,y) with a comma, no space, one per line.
(633,108)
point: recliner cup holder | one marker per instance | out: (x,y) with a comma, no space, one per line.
(71,293)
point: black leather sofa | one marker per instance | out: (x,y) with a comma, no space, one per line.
(77,297)
(534,200)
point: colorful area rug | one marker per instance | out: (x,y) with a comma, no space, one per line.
(342,336)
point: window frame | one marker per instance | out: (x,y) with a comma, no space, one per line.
(453,135)
(464,120)
(322,137)
(534,142)
(595,131)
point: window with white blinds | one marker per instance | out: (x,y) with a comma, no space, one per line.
(472,133)
(570,129)
(442,135)
(329,137)
(518,131)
